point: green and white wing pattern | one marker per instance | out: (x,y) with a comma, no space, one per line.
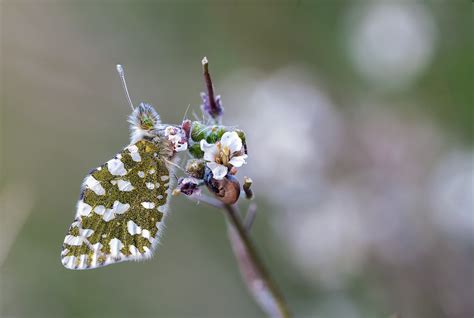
(120,211)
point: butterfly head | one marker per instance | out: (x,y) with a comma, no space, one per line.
(143,121)
(144,117)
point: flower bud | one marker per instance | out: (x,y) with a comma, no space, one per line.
(195,168)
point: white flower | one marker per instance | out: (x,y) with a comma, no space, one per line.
(224,154)
(175,135)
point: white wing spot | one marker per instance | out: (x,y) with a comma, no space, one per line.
(120,208)
(146,234)
(91,183)
(133,250)
(95,256)
(133,228)
(115,247)
(150,185)
(117,208)
(82,261)
(164,178)
(73,240)
(100,209)
(160,197)
(96,247)
(162,208)
(108,215)
(151,171)
(64,251)
(148,205)
(86,233)
(134,153)
(147,251)
(69,261)
(124,185)
(136,156)
(116,167)
(141,174)
(83,208)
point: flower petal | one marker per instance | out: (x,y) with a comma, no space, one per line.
(218,171)
(231,140)
(210,150)
(238,161)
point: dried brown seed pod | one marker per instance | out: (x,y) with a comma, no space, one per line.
(226,190)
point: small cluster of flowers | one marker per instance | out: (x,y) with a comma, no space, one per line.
(217,151)
(215,166)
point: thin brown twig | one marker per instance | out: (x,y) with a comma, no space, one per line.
(250,216)
(255,275)
(206,199)
(214,110)
(251,267)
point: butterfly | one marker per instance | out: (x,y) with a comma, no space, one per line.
(124,202)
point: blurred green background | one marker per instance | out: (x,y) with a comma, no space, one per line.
(359,117)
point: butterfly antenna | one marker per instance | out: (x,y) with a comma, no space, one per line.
(121,72)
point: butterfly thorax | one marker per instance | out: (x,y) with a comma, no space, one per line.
(162,146)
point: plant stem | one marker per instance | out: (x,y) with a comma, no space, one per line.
(254,273)
(250,217)
(256,277)
(214,109)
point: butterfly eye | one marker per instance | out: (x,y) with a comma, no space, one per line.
(147,123)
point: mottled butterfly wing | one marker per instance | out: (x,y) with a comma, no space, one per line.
(120,211)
